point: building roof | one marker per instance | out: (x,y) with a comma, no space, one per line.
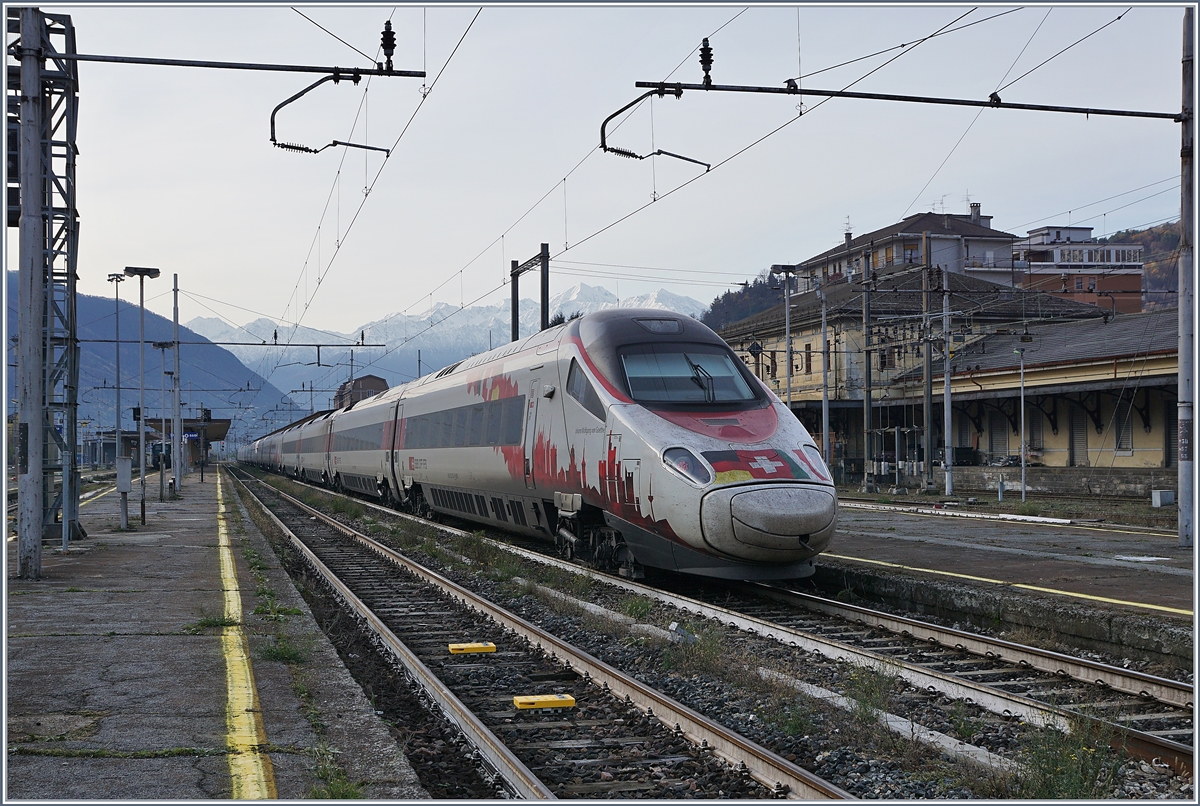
(897,292)
(1125,336)
(914,225)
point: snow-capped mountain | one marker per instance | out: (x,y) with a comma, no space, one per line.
(437,337)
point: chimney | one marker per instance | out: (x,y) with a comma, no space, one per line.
(975,213)
(848,237)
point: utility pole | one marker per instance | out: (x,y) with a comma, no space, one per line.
(927,349)
(947,412)
(31,389)
(116,280)
(176,415)
(539,261)
(1186,294)
(1021,352)
(868,485)
(162,419)
(824,373)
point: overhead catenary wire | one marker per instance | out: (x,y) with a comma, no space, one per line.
(1064,50)
(977,114)
(331,33)
(686,183)
(324,271)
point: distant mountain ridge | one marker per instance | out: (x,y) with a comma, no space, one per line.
(459,333)
(211,376)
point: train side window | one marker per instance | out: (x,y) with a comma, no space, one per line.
(580,388)
(475,426)
(460,427)
(495,414)
(447,438)
(514,420)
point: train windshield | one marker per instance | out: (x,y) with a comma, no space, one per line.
(688,374)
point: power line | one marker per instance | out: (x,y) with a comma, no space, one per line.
(903,45)
(331,33)
(1064,50)
(774,131)
(367,194)
(1092,204)
(976,118)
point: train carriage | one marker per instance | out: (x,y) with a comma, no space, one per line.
(628,437)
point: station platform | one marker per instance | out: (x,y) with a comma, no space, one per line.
(1113,587)
(136,666)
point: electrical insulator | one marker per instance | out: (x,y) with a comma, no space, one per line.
(706,60)
(389,43)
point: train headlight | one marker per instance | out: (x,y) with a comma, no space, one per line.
(685,463)
(817,463)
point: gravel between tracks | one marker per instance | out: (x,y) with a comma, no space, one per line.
(846,749)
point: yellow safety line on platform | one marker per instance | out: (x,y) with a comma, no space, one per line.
(253,775)
(1083,526)
(87,501)
(1012,584)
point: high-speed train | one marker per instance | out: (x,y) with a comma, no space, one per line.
(629,437)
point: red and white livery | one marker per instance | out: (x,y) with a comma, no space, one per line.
(629,437)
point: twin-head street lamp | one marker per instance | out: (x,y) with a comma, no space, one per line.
(142,273)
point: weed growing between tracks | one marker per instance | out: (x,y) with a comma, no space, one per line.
(1079,765)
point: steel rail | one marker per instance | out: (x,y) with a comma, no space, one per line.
(518,776)
(1127,681)
(1137,743)
(1142,745)
(768,768)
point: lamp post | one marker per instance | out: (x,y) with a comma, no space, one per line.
(787,271)
(1021,352)
(162,347)
(142,273)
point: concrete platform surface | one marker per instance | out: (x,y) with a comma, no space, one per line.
(1109,585)
(119,667)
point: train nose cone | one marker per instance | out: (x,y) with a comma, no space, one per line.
(774,523)
(777,515)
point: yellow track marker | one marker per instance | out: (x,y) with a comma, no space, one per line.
(474,646)
(542,701)
(1037,588)
(251,770)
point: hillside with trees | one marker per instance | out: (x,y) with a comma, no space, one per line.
(1160,251)
(734,306)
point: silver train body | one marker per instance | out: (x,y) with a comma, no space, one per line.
(628,437)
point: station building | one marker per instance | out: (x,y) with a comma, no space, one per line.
(357,389)
(1100,382)
(1068,262)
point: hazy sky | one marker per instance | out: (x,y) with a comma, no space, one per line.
(176,169)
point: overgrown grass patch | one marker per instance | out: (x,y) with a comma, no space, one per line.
(281,648)
(637,607)
(1079,765)
(201,625)
(336,785)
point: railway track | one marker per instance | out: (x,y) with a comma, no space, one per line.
(620,737)
(1149,718)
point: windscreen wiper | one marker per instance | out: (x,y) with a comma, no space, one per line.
(702,378)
